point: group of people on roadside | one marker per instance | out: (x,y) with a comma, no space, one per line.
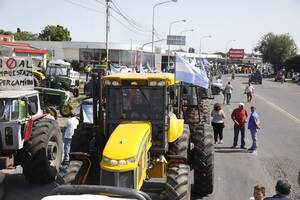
(227,92)
(282,188)
(240,119)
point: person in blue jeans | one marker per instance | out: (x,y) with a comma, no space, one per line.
(253,126)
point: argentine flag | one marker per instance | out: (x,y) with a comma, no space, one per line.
(189,73)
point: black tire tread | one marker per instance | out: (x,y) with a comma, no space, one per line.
(70,175)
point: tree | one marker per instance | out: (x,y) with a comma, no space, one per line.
(293,64)
(55,33)
(5,32)
(276,49)
(24,35)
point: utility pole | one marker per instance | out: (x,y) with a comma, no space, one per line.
(107,30)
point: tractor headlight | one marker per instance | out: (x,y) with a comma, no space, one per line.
(122,162)
(161,83)
(115,83)
(113,162)
(131,160)
(105,159)
(9,136)
(152,83)
(107,82)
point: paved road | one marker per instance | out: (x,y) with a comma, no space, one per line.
(236,171)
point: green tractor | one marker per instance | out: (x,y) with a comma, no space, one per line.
(55,99)
(59,75)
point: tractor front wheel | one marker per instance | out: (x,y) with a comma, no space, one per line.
(178,184)
(42,154)
(65,110)
(70,175)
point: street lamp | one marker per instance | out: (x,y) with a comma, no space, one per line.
(141,62)
(153,13)
(227,43)
(203,37)
(184,31)
(170,26)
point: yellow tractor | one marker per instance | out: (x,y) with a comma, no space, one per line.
(144,127)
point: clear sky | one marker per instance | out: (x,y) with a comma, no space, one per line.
(245,21)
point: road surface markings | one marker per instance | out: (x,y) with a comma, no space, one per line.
(278,108)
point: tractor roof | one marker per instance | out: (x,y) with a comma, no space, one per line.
(13,94)
(167,77)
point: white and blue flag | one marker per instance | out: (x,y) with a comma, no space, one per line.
(189,73)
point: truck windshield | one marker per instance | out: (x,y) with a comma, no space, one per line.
(9,109)
(136,103)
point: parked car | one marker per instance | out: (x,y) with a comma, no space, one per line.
(255,78)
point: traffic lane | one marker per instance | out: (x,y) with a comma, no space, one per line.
(279,136)
(285,96)
(235,170)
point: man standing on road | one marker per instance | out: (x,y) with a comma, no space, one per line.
(71,125)
(253,126)
(239,117)
(249,91)
(283,190)
(227,93)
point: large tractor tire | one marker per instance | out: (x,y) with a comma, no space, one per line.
(205,111)
(181,146)
(178,184)
(202,159)
(71,174)
(42,154)
(65,110)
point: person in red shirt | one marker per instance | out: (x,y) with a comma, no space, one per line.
(239,117)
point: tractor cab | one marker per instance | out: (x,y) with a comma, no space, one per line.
(15,108)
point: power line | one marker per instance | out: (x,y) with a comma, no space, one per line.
(83,6)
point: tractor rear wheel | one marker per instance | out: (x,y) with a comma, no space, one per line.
(205,111)
(181,145)
(178,184)
(65,110)
(71,174)
(202,159)
(42,154)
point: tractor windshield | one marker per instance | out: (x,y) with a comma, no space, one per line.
(136,103)
(57,71)
(9,109)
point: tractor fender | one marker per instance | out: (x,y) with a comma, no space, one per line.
(29,125)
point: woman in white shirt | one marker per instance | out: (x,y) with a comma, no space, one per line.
(217,123)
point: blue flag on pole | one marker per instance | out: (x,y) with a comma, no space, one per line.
(189,73)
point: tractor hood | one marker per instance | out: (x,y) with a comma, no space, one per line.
(126,140)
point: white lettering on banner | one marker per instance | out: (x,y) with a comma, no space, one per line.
(16,73)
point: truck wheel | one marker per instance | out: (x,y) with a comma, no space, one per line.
(202,159)
(178,184)
(181,145)
(65,110)
(70,175)
(76,92)
(42,154)
(53,112)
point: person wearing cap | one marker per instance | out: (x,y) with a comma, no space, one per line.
(253,126)
(71,125)
(283,190)
(239,117)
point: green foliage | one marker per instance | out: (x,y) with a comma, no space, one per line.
(5,32)
(293,64)
(55,33)
(276,49)
(24,35)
